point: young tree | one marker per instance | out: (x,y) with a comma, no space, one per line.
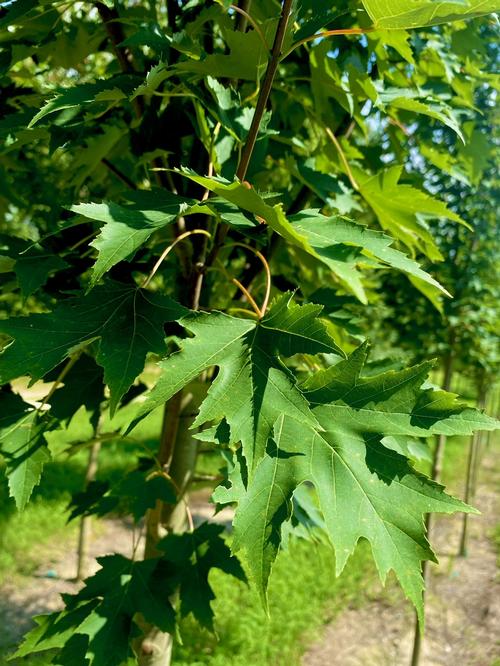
(217,149)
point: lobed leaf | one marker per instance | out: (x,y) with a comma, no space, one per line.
(253,387)
(127,321)
(399,14)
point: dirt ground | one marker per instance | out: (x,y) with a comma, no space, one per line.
(463,603)
(26,596)
(463,612)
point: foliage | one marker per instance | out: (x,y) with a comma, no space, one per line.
(111,117)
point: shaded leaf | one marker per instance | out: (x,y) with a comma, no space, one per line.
(128,226)
(191,557)
(246,198)
(127,321)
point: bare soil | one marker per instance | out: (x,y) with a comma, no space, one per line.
(26,596)
(463,603)
(463,607)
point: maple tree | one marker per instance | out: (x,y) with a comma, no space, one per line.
(177,181)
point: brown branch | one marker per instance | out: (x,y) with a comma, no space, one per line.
(260,108)
(119,174)
(265,91)
(110,18)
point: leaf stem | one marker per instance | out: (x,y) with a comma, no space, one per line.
(167,251)
(242,288)
(253,23)
(343,158)
(267,270)
(59,379)
(327,33)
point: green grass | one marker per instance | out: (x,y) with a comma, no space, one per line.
(44,520)
(304,594)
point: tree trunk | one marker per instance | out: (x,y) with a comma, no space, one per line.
(436,471)
(178,453)
(472,472)
(86,521)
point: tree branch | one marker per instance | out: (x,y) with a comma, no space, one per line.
(265,91)
(260,108)
(119,174)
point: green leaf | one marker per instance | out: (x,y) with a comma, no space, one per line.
(16,10)
(393,400)
(137,492)
(246,59)
(253,387)
(191,557)
(127,321)
(106,91)
(398,14)
(366,488)
(400,209)
(32,265)
(439,111)
(53,631)
(103,612)
(246,198)
(330,235)
(128,226)
(83,385)
(96,148)
(23,445)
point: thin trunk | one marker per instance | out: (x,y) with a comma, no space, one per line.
(472,472)
(481,436)
(170,426)
(462,551)
(85,532)
(179,451)
(437,468)
(493,411)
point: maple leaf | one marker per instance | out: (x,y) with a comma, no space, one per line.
(32,263)
(400,207)
(136,492)
(365,489)
(23,445)
(331,237)
(398,14)
(191,556)
(102,613)
(253,386)
(246,198)
(128,322)
(83,385)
